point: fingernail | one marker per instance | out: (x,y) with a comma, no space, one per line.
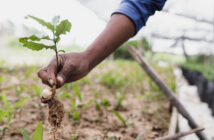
(60,79)
(51,82)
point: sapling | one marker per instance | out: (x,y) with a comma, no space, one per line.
(33,42)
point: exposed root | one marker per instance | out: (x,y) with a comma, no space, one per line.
(56,113)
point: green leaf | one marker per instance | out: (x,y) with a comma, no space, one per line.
(28,42)
(43,23)
(8,118)
(37,46)
(63,51)
(26,39)
(45,37)
(86,105)
(36,89)
(63,27)
(77,92)
(5,101)
(55,20)
(98,108)
(119,117)
(105,103)
(2,115)
(76,116)
(20,102)
(38,133)
(73,105)
(25,134)
(32,38)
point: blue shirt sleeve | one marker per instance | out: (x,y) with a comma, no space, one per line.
(139,10)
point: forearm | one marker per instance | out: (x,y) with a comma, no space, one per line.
(119,29)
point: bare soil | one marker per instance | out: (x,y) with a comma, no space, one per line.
(144,109)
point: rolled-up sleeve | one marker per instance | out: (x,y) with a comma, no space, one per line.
(139,10)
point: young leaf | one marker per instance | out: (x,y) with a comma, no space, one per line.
(55,20)
(36,89)
(76,116)
(26,39)
(86,105)
(77,92)
(43,23)
(37,46)
(63,27)
(20,102)
(25,134)
(105,103)
(63,51)
(98,108)
(2,115)
(119,117)
(32,38)
(73,105)
(38,133)
(5,101)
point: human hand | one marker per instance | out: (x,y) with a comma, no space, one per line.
(71,67)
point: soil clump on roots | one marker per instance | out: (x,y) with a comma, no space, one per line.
(55,114)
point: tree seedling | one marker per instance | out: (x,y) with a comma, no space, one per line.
(33,42)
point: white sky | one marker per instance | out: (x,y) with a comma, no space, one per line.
(85,24)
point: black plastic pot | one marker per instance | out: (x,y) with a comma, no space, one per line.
(205,87)
(209,93)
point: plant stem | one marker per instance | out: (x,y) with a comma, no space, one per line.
(56,52)
(57,60)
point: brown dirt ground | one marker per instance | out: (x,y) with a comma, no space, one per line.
(143,114)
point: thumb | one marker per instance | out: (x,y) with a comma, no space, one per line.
(51,70)
(62,76)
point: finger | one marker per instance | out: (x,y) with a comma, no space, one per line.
(51,72)
(60,81)
(64,75)
(43,75)
(46,83)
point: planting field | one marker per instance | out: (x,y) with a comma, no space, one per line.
(116,101)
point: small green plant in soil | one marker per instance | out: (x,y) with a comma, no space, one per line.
(33,42)
(97,103)
(105,103)
(112,79)
(37,134)
(76,109)
(9,111)
(100,103)
(120,97)
(123,120)
(77,92)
